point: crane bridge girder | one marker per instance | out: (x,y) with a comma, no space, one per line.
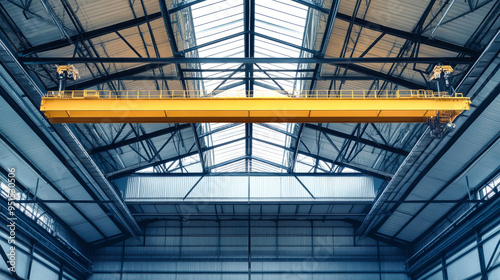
(346,106)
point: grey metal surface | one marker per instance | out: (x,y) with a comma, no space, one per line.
(440,169)
(215,250)
(80,169)
(262,188)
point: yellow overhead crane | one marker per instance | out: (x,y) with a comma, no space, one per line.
(439,109)
(345,106)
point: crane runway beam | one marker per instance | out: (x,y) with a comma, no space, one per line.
(409,106)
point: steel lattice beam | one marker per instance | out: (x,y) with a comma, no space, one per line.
(360,140)
(141,20)
(132,169)
(244,60)
(90,34)
(133,140)
(363,169)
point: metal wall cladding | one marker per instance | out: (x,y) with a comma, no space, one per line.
(221,187)
(41,272)
(228,244)
(262,188)
(465,266)
(50,166)
(340,187)
(148,188)
(475,154)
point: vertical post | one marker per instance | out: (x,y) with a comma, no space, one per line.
(6,260)
(61,272)
(30,260)
(180,239)
(312,240)
(249,28)
(249,236)
(378,261)
(482,263)
(123,259)
(277,248)
(444,270)
(219,232)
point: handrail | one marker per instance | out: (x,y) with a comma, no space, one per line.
(243,94)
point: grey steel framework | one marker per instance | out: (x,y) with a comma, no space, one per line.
(307,195)
(242,47)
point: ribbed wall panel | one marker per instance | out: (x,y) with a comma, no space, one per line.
(286,249)
(262,188)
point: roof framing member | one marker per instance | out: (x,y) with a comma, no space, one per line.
(139,138)
(366,170)
(360,140)
(141,20)
(129,170)
(461,130)
(394,32)
(357,68)
(317,70)
(247,60)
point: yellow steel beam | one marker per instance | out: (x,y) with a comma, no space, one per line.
(186,107)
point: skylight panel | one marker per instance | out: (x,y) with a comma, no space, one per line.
(227,135)
(267,152)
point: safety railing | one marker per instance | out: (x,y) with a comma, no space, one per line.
(304,94)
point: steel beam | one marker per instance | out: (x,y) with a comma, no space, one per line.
(90,34)
(295,153)
(183,52)
(326,39)
(111,77)
(6,261)
(199,147)
(285,43)
(317,70)
(242,60)
(253,174)
(312,5)
(408,35)
(183,5)
(364,169)
(131,169)
(253,110)
(141,20)
(386,77)
(360,140)
(253,216)
(139,138)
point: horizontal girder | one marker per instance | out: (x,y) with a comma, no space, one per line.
(349,106)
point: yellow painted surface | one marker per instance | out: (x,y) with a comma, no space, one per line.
(411,106)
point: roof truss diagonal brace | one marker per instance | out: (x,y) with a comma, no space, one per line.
(304,186)
(141,20)
(392,31)
(171,38)
(133,140)
(132,169)
(192,188)
(199,147)
(11,268)
(358,139)
(293,159)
